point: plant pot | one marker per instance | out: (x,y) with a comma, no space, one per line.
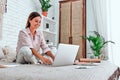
(44,13)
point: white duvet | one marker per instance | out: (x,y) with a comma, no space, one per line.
(43,72)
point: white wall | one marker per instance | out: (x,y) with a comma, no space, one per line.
(115,31)
(16,17)
(14,20)
(56,14)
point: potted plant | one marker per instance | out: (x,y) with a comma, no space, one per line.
(45,5)
(97,42)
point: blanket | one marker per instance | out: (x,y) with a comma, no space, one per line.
(102,71)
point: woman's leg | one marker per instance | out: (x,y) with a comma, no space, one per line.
(25,55)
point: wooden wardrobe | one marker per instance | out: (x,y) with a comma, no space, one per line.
(72,24)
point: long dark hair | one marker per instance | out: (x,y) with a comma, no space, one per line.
(31,16)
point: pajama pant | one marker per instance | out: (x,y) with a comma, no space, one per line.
(25,55)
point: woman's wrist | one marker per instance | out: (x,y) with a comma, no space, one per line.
(50,54)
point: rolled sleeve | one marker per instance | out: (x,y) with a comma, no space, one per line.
(43,45)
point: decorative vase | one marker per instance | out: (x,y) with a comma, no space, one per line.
(44,13)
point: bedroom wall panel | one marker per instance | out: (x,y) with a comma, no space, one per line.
(14,20)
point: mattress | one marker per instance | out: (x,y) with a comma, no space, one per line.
(100,71)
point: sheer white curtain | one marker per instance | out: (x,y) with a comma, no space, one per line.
(100,15)
(99,8)
(107,23)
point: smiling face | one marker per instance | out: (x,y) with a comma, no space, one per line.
(35,23)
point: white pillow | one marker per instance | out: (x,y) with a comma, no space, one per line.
(10,54)
(1,53)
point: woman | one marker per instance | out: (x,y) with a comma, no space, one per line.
(30,41)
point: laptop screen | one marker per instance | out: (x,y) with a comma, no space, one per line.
(65,55)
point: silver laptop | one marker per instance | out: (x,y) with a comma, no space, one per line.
(65,55)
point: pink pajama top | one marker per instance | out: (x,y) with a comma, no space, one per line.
(25,38)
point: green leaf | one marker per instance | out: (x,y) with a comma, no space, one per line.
(97,42)
(45,5)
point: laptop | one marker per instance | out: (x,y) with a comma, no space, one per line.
(65,55)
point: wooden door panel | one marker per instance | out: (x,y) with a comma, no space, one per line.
(64,39)
(64,22)
(72,24)
(77,18)
(65,18)
(78,41)
(77,25)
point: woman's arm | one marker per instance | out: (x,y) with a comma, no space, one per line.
(45,47)
(50,54)
(38,55)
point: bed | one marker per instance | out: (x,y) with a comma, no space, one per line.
(102,71)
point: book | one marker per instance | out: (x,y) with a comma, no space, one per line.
(85,61)
(89,60)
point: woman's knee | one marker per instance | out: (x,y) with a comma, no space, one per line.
(26,51)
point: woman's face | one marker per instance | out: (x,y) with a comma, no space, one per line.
(35,22)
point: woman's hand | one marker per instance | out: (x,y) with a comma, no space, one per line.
(49,53)
(43,59)
(46,61)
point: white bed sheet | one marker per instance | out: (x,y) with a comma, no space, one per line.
(42,72)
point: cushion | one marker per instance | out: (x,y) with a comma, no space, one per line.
(10,54)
